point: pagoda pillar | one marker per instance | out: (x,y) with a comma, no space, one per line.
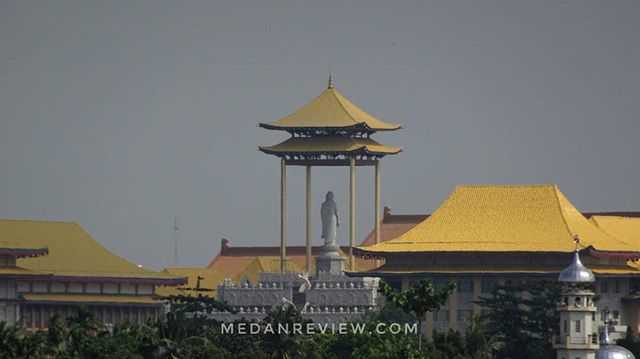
(352,210)
(377,202)
(308,224)
(283,214)
(377,207)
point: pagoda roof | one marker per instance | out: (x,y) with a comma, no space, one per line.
(74,255)
(330,110)
(517,218)
(331,145)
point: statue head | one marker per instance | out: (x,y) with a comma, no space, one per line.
(329,196)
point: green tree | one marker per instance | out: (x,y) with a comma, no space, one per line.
(418,299)
(9,341)
(285,344)
(525,323)
(475,343)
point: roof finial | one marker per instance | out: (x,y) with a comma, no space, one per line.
(576,240)
(604,337)
(330,86)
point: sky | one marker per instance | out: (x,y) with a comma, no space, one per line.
(121,115)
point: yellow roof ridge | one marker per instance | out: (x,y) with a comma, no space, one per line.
(508,185)
(35,220)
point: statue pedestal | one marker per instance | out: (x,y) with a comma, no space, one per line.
(330,261)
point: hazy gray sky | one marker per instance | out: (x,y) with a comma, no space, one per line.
(119,115)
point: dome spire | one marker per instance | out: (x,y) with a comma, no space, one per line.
(604,337)
(330,85)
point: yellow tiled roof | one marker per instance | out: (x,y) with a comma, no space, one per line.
(330,144)
(211,278)
(90,298)
(517,218)
(73,253)
(624,228)
(330,110)
(601,270)
(19,271)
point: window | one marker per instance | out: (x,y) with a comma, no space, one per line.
(488,286)
(578,326)
(566,329)
(439,284)
(464,315)
(616,286)
(465,286)
(604,287)
(442,315)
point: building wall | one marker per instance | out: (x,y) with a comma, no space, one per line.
(8,297)
(8,301)
(36,315)
(472,283)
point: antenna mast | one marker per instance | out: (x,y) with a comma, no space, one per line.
(175,240)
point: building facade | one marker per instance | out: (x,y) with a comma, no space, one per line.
(484,235)
(76,271)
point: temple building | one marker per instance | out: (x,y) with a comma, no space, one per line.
(54,267)
(328,131)
(10,272)
(482,235)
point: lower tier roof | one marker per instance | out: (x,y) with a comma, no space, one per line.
(47,298)
(330,146)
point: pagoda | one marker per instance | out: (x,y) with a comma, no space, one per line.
(328,131)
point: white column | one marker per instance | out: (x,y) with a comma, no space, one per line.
(283,214)
(352,210)
(308,249)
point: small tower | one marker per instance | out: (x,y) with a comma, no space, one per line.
(578,330)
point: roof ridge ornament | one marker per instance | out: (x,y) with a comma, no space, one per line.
(604,338)
(330,84)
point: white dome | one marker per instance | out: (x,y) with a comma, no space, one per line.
(576,272)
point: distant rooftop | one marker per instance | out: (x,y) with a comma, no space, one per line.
(501,218)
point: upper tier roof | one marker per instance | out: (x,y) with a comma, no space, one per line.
(73,253)
(522,218)
(330,110)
